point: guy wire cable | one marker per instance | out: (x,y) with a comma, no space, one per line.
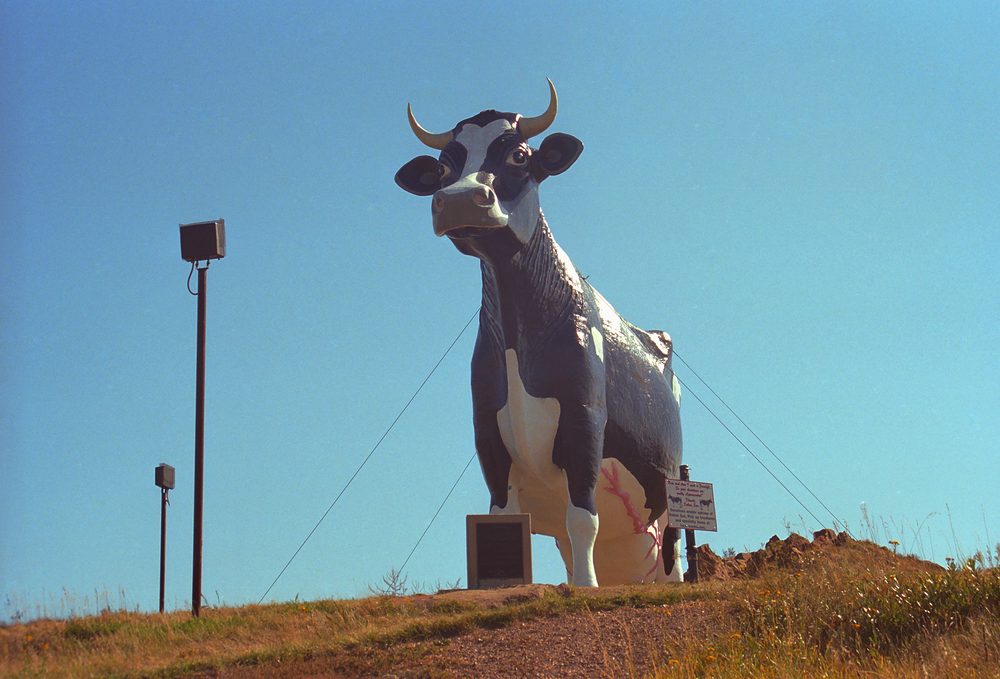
(454,486)
(358,471)
(767,447)
(738,440)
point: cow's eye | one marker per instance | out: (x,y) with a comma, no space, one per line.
(443,171)
(518,158)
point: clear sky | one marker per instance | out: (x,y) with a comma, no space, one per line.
(804,195)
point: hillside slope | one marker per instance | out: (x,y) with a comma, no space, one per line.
(827,607)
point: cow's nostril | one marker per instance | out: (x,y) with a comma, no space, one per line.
(483,196)
(437,204)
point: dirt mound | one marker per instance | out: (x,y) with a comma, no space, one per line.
(796,552)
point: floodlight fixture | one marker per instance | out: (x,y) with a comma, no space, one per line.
(202,241)
(164,477)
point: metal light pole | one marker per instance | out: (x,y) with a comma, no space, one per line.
(202,241)
(199,445)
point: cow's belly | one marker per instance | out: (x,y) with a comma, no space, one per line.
(619,498)
(528,428)
(621,501)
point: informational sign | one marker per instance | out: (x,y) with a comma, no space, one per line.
(690,505)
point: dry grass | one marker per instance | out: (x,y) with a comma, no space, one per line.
(367,632)
(857,610)
(135,645)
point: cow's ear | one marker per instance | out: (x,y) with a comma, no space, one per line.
(421,176)
(557,152)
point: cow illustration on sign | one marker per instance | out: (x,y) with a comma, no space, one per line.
(576,411)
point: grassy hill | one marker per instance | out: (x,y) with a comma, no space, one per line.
(830,607)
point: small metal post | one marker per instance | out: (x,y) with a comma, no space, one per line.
(163,544)
(692,552)
(199,444)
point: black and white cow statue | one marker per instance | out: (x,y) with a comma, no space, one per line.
(577,412)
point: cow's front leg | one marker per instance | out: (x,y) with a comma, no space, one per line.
(577,451)
(582,525)
(494,460)
(513,505)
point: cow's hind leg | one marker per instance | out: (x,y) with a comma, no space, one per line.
(671,552)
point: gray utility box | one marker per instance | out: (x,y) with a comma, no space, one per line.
(498,547)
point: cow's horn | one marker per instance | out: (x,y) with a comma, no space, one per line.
(435,141)
(529,127)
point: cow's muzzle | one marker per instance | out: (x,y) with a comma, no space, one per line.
(466,204)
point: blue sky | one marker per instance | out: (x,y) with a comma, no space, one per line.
(804,195)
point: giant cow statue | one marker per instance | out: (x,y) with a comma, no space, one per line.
(576,411)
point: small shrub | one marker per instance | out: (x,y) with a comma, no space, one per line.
(393,584)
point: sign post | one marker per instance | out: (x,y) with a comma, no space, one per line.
(691,506)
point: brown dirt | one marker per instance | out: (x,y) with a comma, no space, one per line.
(611,643)
(597,644)
(589,644)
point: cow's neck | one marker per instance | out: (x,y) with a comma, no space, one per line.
(531,294)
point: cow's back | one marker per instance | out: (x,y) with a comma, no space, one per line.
(643,430)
